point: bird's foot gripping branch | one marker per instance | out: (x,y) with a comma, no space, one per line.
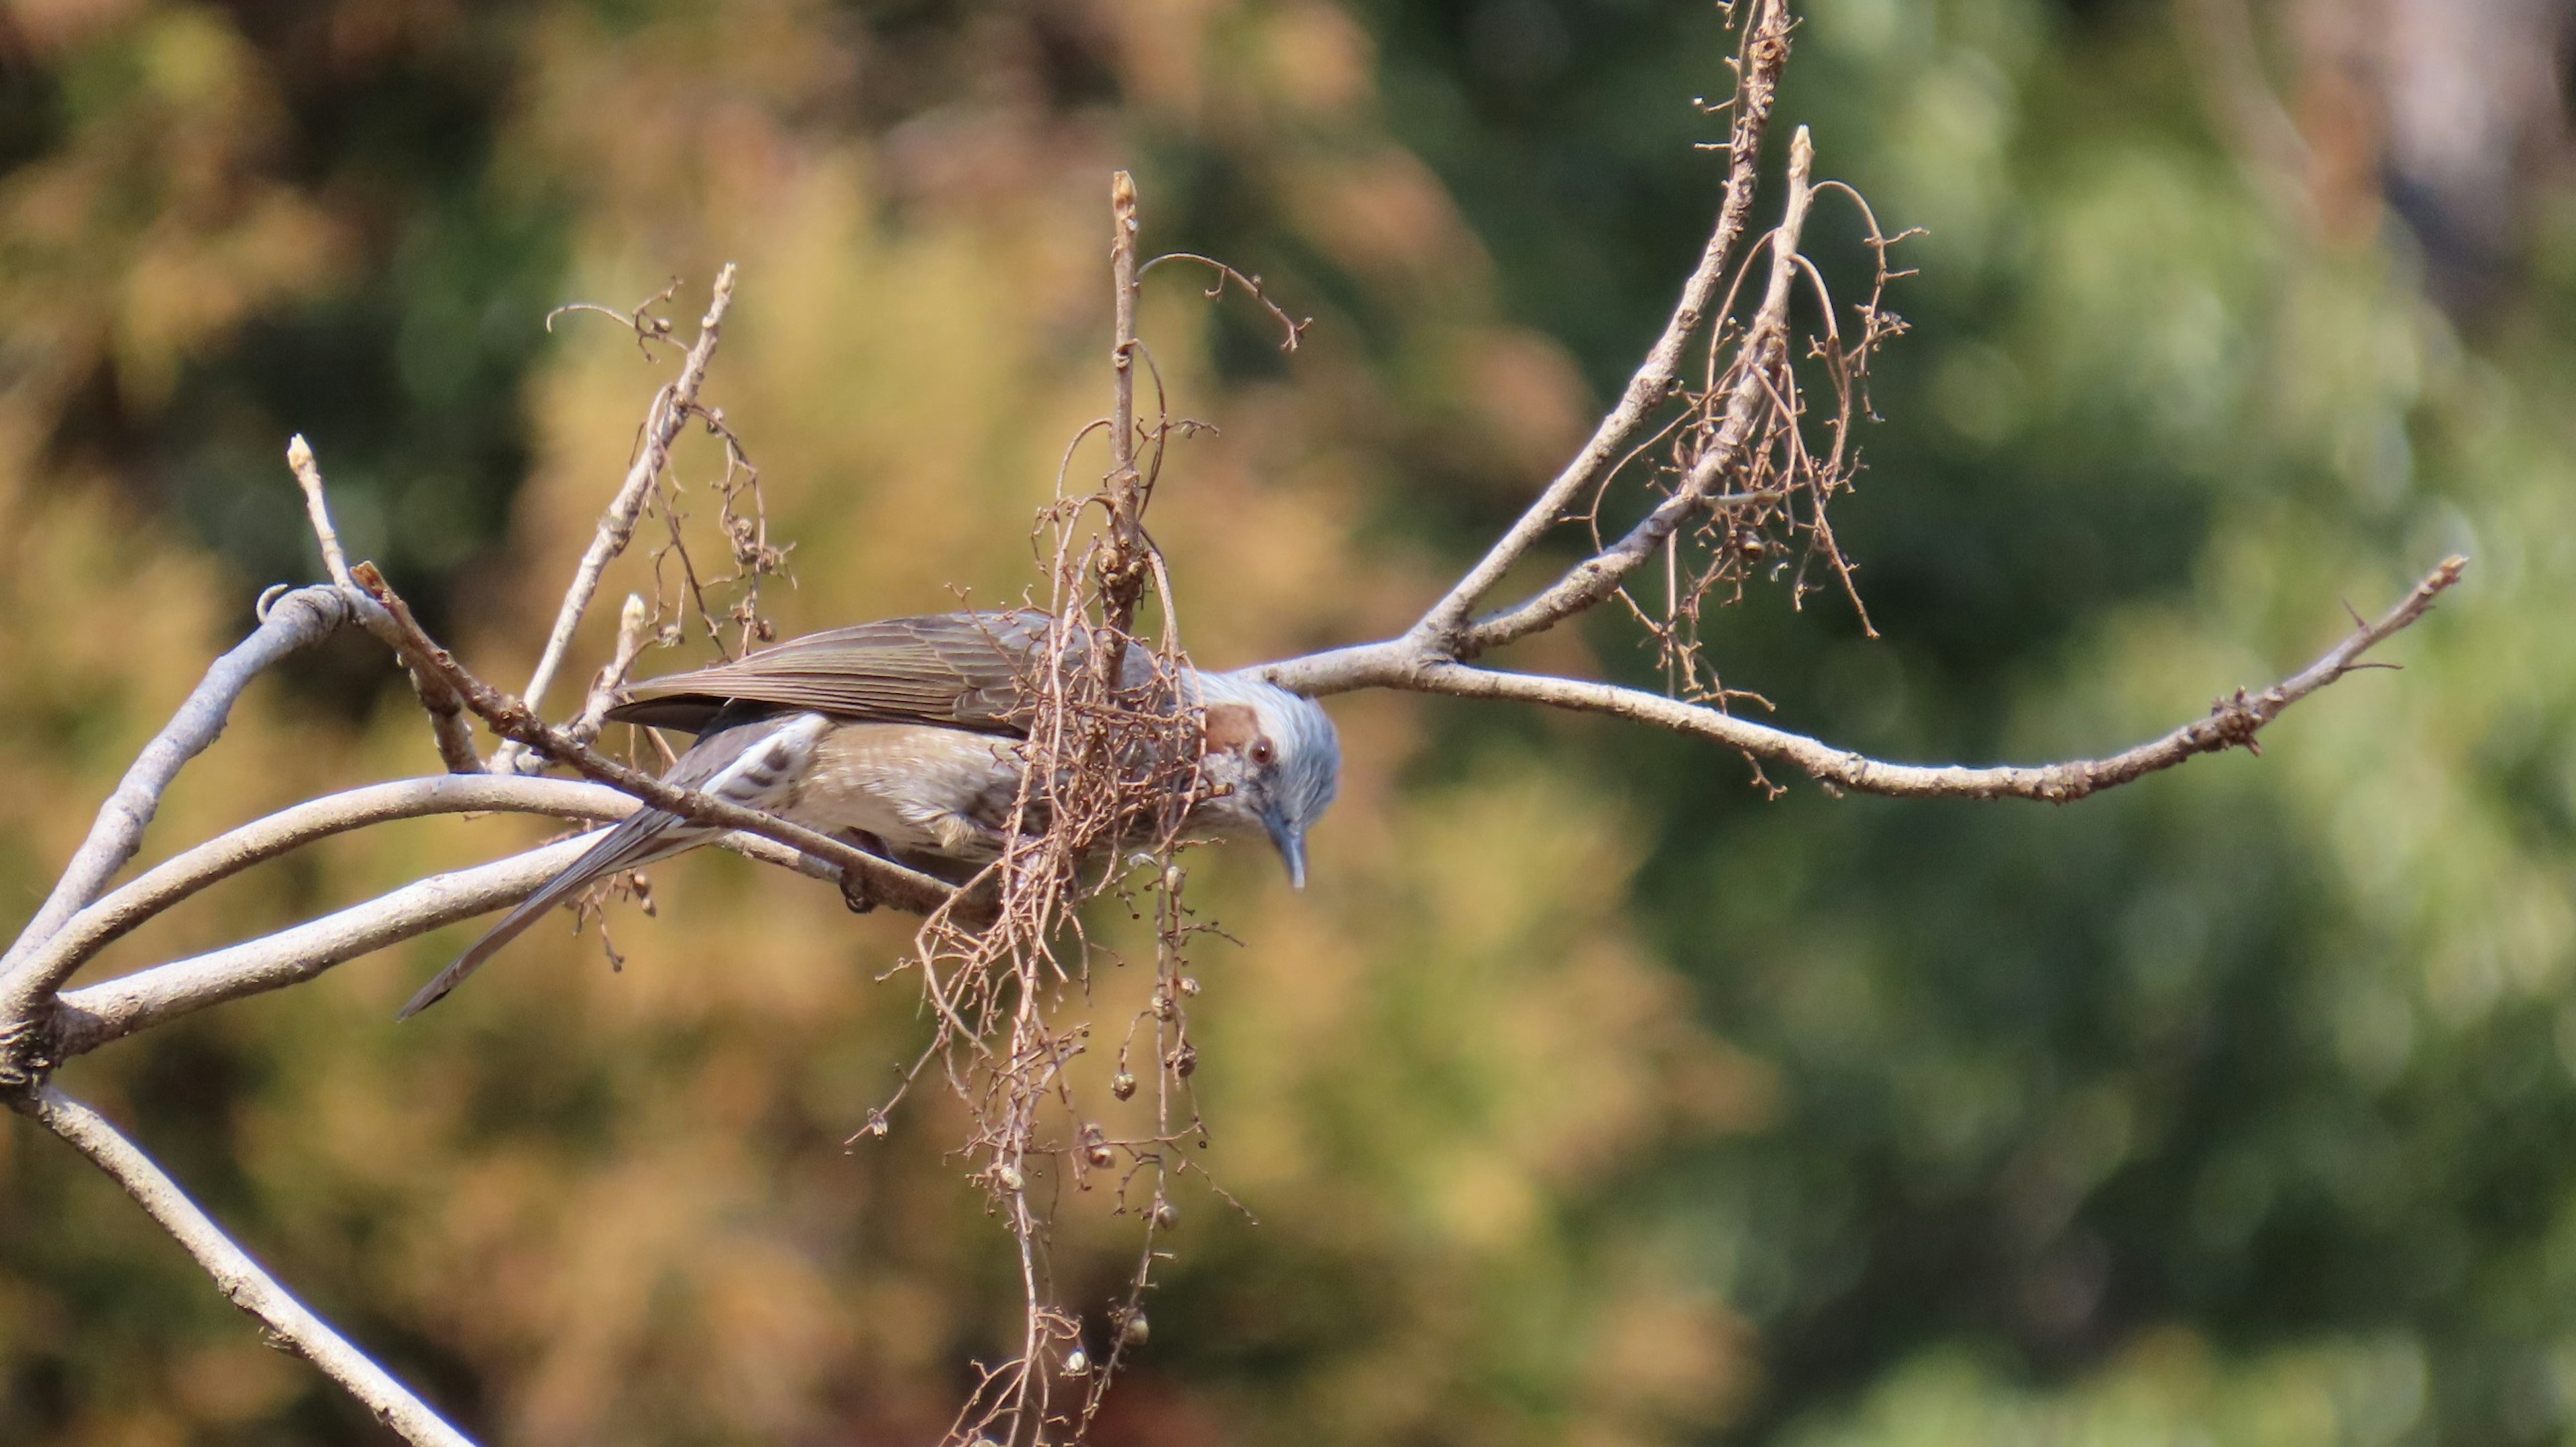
(1119,751)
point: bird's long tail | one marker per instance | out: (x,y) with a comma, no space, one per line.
(755,764)
(636,841)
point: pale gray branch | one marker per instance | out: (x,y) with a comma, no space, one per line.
(243,1281)
(175,879)
(634,632)
(294,621)
(1765,345)
(1411,664)
(670,412)
(317,508)
(112,1009)
(1765,51)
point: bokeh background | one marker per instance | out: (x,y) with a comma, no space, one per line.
(1587,1097)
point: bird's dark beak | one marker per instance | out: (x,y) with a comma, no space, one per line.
(1291,843)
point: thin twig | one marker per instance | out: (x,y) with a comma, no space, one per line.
(634,635)
(283,1320)
(2233,721)
(1764,346)
(1765,51)
(670,412)
(1293,327)
(446,720)
(317,508)
(1122,568)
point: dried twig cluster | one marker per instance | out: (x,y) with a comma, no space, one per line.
(1730,481)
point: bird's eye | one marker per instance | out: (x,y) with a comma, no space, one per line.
(1263,752)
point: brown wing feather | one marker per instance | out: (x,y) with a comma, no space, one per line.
(954,670)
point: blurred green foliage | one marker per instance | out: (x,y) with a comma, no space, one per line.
(1589,1097)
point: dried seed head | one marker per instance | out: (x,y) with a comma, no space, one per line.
(1172,877)
(1189,985)
(1077,1362)
(1122,1085)
(1007,1176)
(1165,1214)
(1135,1329)
(1185,1060)
(1164,1008)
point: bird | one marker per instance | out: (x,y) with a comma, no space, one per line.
(905,736)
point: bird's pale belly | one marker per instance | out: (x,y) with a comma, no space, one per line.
(918,789)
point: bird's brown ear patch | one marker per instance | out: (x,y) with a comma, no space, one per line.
(1231,727)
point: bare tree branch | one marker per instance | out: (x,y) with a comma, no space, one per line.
(89,1017)
(294,621)
(1765,50)
(244,1282)
(672,407)
(634,632)
(1761,355)
(175,879)
(446,718)
(1404,664)
(1123,562)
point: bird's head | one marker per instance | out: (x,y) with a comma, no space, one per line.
(1274,757)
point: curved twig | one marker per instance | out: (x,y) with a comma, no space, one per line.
(617,525)
(1765,51)
(1407,664)
(865,874)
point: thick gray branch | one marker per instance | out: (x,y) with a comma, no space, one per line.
(294,621)
(287,1322)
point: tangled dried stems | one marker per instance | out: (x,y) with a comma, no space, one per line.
(1711,446)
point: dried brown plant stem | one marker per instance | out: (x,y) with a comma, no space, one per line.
(670,411)
(285,1321)
(1123,566)
(879,879)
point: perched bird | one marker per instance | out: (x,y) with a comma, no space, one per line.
(905,737)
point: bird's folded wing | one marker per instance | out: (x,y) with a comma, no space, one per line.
(952,670)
